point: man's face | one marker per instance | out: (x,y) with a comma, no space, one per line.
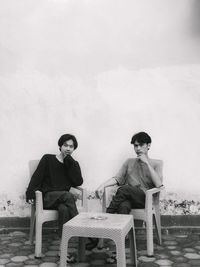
(141,148)
(67,148)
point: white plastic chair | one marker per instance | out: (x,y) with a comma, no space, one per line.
(150,212)
(40,215)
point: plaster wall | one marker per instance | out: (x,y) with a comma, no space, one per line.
(101,70)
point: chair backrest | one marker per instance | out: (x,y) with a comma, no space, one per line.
(39,202)
(32,166)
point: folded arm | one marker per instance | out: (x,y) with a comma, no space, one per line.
(156,174)
(74,171)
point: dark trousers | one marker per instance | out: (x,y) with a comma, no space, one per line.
(126,198)
(64,202)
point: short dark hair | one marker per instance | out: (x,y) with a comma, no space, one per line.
(141,138)
(66,137)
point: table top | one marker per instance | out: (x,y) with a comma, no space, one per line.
(100,220)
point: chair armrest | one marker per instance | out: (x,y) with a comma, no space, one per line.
(155,190)
(38,201)
(80,188)
(83,198)
(115,185)
(109,191)
(152,198)
(110,187)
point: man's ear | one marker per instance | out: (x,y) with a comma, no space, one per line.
(148,146)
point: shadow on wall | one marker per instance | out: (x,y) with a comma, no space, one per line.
(195,18)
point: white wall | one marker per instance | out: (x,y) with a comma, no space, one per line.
(101,70)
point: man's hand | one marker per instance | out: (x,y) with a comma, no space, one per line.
(99,192)
(68,160)
(31,201)
(143,158)
(76,193)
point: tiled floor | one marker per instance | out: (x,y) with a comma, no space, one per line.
(177,250)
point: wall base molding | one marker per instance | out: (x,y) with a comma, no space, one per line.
(169,223)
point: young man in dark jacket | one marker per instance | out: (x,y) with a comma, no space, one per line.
(54,176)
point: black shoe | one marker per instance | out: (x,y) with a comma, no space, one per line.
(92,243)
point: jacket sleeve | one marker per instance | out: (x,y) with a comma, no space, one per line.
(36,179)
(74,171)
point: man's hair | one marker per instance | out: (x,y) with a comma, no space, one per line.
(66,137)
(141,138)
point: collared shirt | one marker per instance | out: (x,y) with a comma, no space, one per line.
(134,172)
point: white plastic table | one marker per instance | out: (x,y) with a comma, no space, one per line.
(100,225)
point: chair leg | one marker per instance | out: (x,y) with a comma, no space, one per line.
(149,230)
(32,224)
(158,224)
(38,240)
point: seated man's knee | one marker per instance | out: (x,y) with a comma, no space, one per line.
(124,207)
(67,196)
(122,189)
(62,207)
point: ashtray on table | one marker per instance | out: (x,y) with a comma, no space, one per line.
(98,217)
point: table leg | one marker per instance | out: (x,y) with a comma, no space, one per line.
(120,248)
(63,252)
